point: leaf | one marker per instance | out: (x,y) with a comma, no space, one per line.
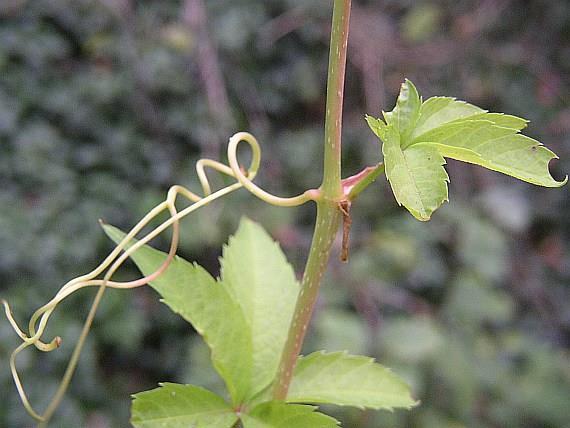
(181,406)
(259,278)
(277,414)
(191,292)
(496,148)
(347,380)
(437,111)
(416,140)
(378,127)
(416,175)
(501,119)
(407,110)
(245,316)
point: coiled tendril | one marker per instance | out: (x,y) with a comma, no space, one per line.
(39,320)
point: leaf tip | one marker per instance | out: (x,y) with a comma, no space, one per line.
(412,405)
(562,183)
(408,82)
(421,215)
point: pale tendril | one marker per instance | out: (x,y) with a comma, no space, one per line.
(39,320)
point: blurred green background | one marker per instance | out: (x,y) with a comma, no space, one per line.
(106,103)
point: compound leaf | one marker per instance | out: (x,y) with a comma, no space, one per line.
(181,406)
(276,414)
(259,278)
(244,317)
(192,292)
(416,140)
(347,380)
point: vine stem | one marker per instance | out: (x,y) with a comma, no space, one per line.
(328,213)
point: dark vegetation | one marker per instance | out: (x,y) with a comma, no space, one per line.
(104,104)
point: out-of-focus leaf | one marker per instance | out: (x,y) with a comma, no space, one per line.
(421,22)
(472,301)
(181,406)
(338,329)
(482,246)
(282,415)
(412,340)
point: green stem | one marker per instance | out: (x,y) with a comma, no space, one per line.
(328,214)
(335,94)
(52,407)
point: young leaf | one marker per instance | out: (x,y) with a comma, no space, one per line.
(191,292)
(259,278)
(277,414)
(346,380)
(181,406)
(415,141)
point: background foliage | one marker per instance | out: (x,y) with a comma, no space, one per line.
(105,103)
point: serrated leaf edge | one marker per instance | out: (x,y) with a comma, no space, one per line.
(366,361)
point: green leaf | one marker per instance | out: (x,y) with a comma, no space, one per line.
(191,292)
(181,406)
(347,380)
(259,278)
(244,317)
(501,119)
(281,415)
(438,111)
(407,110)
(416,175)
(378,127)
(495,147)
(417,138)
